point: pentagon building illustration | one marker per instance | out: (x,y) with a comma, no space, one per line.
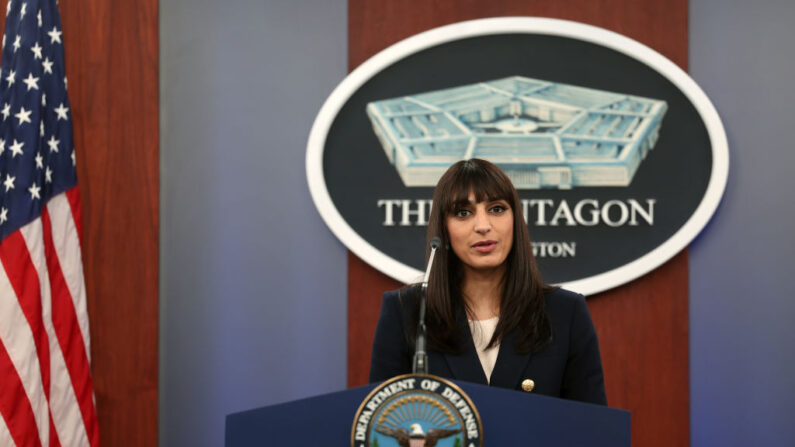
(542,134)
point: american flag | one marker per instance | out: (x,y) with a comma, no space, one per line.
(46,394)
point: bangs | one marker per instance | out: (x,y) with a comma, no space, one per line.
(487,185)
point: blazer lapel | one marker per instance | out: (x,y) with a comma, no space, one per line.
(510,364)
(466,364)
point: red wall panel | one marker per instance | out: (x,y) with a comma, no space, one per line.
(643,325)
(112,65)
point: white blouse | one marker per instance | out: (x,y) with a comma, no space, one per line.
(482,331)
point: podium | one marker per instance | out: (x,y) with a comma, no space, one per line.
(510,418)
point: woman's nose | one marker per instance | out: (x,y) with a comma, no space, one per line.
(482,223)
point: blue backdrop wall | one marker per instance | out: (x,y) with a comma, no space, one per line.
(253,284)
(742,286)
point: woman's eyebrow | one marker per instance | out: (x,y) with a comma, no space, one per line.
(487,200)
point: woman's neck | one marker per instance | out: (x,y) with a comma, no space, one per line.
(483,293)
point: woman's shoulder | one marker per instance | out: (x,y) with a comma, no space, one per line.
(562,300)
(406,291)
(561,294)
(409,292)
(404,298)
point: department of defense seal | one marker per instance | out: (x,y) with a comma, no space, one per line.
(417,410)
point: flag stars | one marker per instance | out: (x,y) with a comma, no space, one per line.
(9,182)
(6,111)
(47,64)
(55,35)
(53,143)
(48,175)
(61,111)
(34,191)
(39,161)
(31,82)
(16,148)
(12,76)
(74,160)
(36,49)
(24,115)
(43,102)
(2,146)
(23,11)
(41,129)
(17,43)
(38,16)
(3,215)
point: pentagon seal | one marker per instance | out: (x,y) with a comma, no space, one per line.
(619,157)
(417,410)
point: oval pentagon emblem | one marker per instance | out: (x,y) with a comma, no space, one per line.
(417,411)
(619,158)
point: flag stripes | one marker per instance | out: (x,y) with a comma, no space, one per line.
(50,364)
(69,338)
(66,230)
(15,406)
(5,435)
(28,348)
(46,390)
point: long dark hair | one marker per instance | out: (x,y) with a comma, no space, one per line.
(522,305)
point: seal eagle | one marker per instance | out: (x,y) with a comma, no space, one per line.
(417,438)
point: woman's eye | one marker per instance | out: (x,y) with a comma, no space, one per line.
(462,213)
(498,209)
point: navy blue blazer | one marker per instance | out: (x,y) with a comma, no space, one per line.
(569,366)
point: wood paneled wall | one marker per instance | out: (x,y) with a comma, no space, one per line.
(112,66)
(642,326)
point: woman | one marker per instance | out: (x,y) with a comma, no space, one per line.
(490,318)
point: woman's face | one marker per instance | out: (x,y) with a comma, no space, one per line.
(481,234)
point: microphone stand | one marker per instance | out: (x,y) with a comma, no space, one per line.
(420,365)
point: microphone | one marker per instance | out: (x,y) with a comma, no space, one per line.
(420,365)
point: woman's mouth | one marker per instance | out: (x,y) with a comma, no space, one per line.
(485,246)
